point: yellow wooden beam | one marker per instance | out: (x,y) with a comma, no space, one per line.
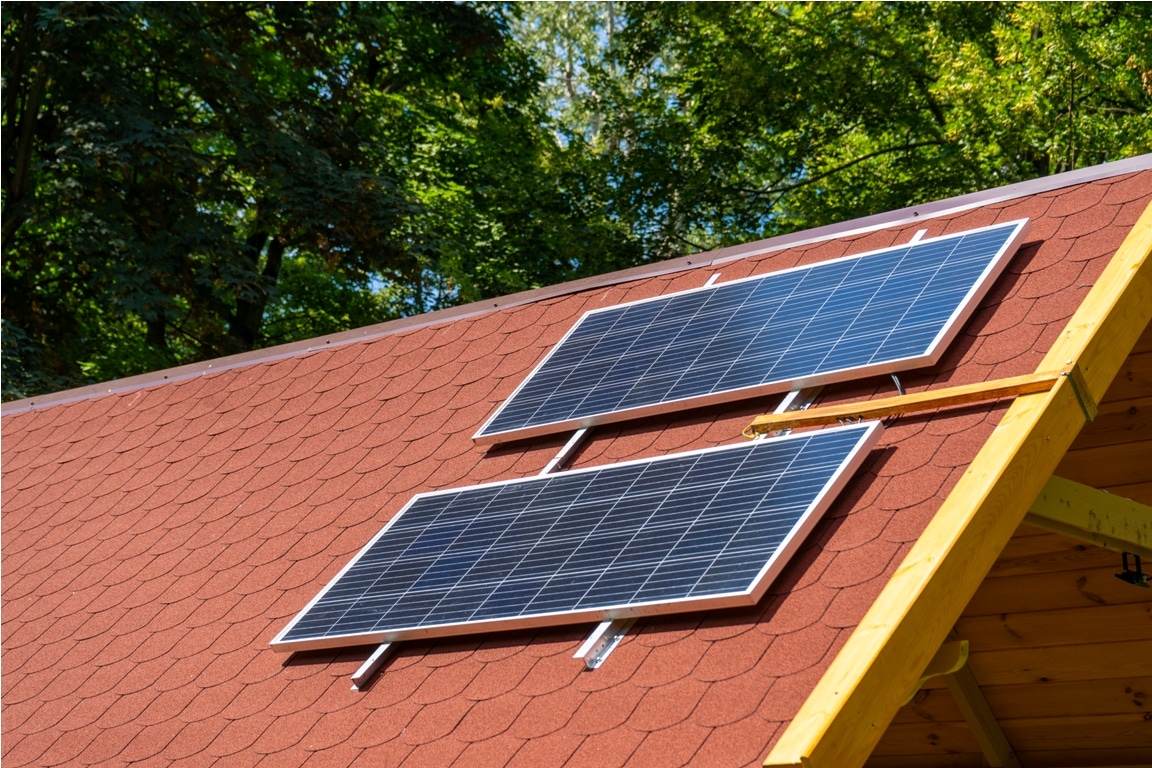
(851,706)
(970,699)
(964,394)
(853,703)
(1086,514)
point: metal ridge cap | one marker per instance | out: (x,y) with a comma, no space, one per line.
(694,261)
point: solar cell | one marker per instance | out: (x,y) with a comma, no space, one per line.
(878,312)
(695,530)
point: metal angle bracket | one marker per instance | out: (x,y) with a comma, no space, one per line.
(565,453)
(602,642)
(373,663)
(1080,388)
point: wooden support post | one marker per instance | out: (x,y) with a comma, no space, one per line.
(970,699)
(951,663)
(1097,517)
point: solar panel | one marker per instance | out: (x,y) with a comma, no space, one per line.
(695,530)
(879,312)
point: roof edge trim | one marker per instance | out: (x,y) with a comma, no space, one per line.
(848,711)
(862,225)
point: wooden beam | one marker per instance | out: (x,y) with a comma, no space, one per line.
(969,698)
(965,394)
(847,712)
(1097,517)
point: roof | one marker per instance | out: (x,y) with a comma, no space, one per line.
(158,532)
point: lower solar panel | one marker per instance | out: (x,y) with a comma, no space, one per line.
(704,529)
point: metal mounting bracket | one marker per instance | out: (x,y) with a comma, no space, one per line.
(602,642)
(566,452)
(369,668)
(796,400)
(1080,387)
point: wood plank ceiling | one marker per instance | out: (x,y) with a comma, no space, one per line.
(1061,649)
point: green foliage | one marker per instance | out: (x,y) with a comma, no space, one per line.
(181,180)
(1059,86)
(310,301)
(186,180)
(781,116)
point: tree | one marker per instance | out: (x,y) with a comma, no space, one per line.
(187,180)
(744,120)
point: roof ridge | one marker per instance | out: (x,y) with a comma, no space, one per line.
(857,226)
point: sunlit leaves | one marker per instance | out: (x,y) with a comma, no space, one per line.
(1054,87)
(769,117)
(203,178)
(185,180)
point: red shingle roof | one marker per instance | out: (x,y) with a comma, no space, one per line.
(156,538)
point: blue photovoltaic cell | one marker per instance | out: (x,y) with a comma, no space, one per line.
(877,312)
(696,528)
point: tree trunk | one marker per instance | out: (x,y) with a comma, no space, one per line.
(31,74)
(244,330)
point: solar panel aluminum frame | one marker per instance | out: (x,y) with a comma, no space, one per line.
(948,332)
(788,547)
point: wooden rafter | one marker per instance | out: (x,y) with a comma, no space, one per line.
(1097,517)
(851,706)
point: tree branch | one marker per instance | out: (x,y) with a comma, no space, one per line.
(813,179)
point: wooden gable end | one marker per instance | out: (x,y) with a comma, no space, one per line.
(1058,672)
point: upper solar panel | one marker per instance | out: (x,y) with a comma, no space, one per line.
(703,529)
(878,312)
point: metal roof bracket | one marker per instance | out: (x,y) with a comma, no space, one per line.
(565,454)
(371,665)
(602,641)
(799,399)
(1080,387)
